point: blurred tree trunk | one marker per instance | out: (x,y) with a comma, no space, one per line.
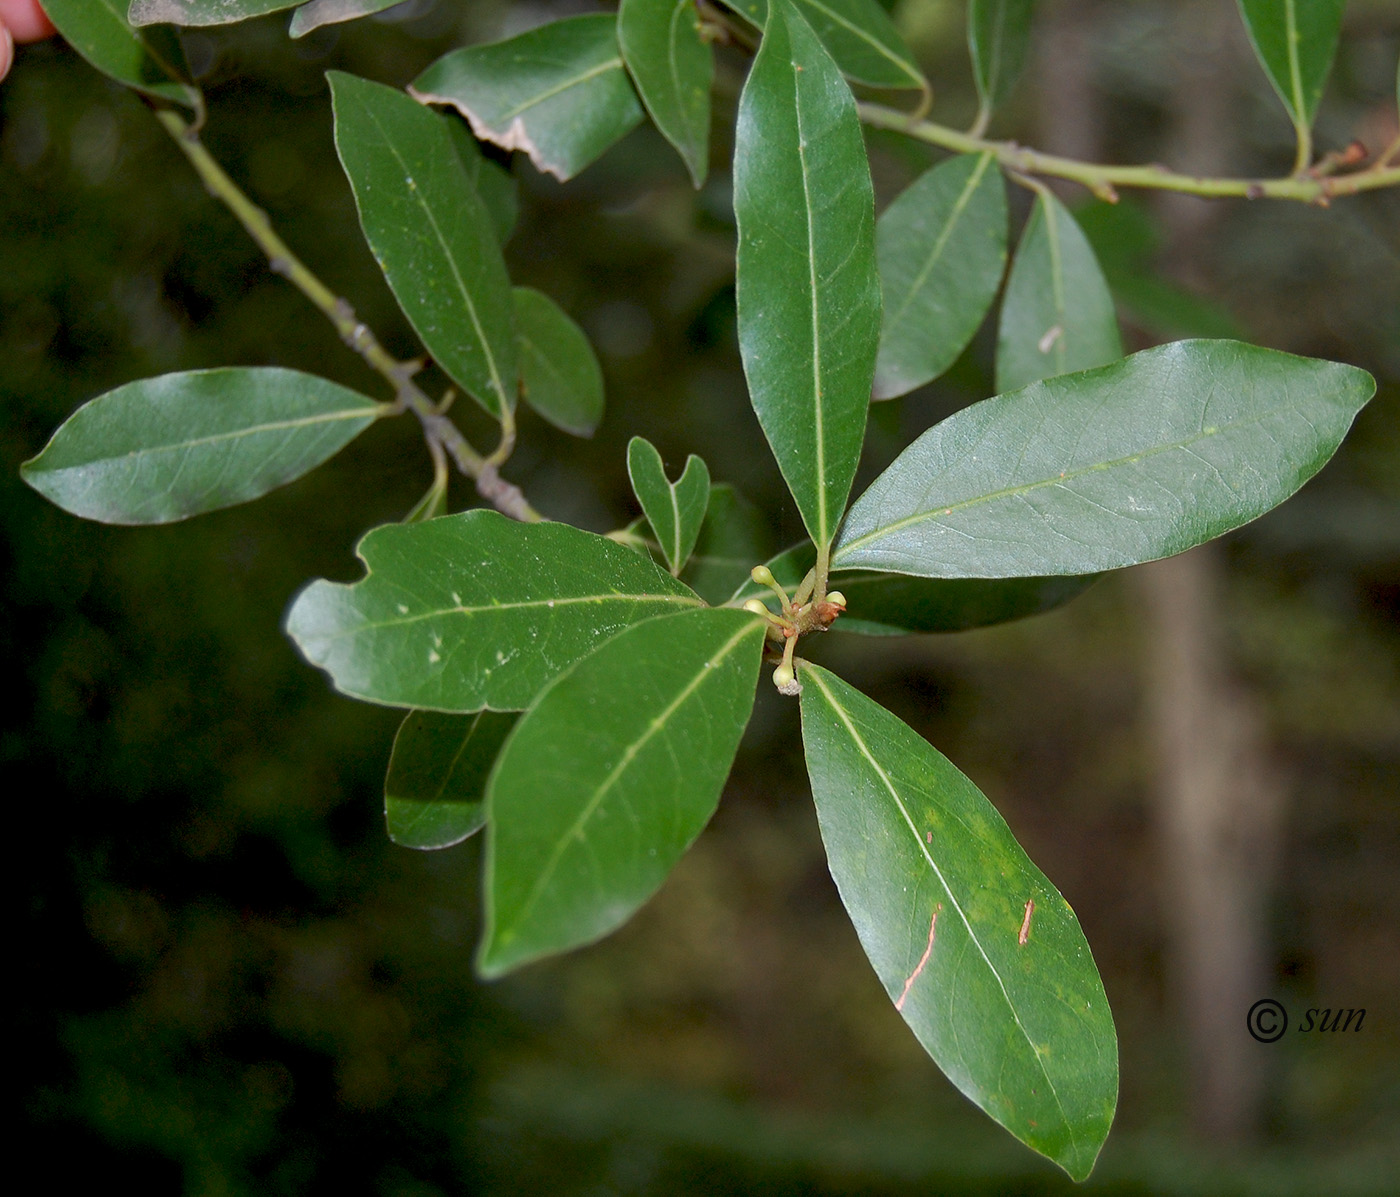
(1218,798)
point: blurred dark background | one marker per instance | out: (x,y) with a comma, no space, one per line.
(229,981)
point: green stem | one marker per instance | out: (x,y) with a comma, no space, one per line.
(437,428)
(1104,181)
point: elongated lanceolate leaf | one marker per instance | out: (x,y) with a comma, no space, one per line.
(202,12)
(1296,41)
(167,448)
(673,67)
(858,34)
(998,34)
(881,604)
(331,12)
(733,539)
(608,779)
(978,951)
(942,251)
(435,794)
(430,233)
(1057,314)
(475,610)
(808,292)
(559,373)
(1127,463)
(149,60)
(559,92)
(675,510)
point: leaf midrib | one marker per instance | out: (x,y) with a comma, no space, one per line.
(869,38)
(811,675)
(945,509)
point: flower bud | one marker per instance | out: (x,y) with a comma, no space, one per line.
(762,575)
(757,606)
(785,679)
(836,598)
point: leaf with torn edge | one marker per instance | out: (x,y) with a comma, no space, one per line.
(559,92)
(609,777)
(475,610)
(976,948)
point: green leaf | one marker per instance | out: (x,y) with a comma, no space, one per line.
(1127,463)
(858,34)
(202,12)
(167,448)
(150,60)
(432,504)
(998,35)
(560,375)
(942,250)
(978,951)
(1296,41)
(881,604)
(558,92)
(332,12)
(430,233)
(475,610)
(676,510)
(673,67)
(608,779)
(733,538)
(808,292)
(1057,315)
(435,794)
(494,185)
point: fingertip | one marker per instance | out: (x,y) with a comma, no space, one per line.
(7,51)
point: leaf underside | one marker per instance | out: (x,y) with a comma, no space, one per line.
(151,61)
(673,68)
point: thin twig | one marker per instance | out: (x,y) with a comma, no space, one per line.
(504,496)
(1104,180)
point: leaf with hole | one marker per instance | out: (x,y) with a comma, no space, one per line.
(808,292)
(998,35)
(942,249)
(673,67)
(858,34)
(1057,315)
(978,951)
(167,448)
(559,372)
(675,510)
(474,610)
(558,92)
(430,234)
(151,61)
(608,779)
(435,793)
(1137,460)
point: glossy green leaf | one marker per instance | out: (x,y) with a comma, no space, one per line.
(332,12)
(733,539)
(202,12)
(608,779)
(882,604)
(673,67)
(149,60)
(675,510)
(941,249)
(475,610)
(559,92)
(858,34)
(978,951)
(1107,468)
(167,448)
(559,372)
(435,794)
(1057,315)
(430,233)
(1295,41)
(998,35)
(808,292)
